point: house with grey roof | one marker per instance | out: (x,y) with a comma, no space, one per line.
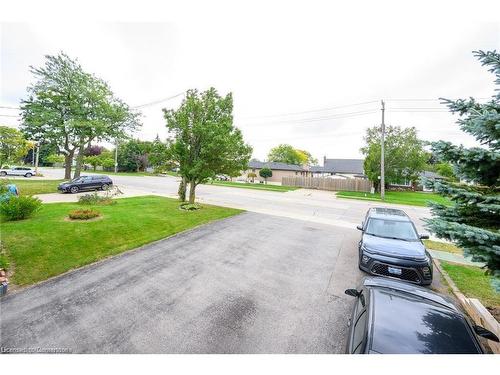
(279,170)
(339,168)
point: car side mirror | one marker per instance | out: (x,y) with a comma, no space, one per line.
(352,292)
(360,227)
(487,334)
(424,236)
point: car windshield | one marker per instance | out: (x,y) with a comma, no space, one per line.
(401,230)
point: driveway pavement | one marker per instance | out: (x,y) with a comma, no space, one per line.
(248,284)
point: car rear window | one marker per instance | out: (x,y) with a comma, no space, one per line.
(407,324)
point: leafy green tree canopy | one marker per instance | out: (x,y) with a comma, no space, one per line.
(71,108)
(265,173)
(285,153)
(13,145)
(205,141)
(405,156)
(473,221)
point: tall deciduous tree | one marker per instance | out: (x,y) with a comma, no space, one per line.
(13,146)
(205,141)
(285,153)
(473,221)
(72,108)
(405,156)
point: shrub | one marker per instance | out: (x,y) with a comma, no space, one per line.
(84,214)
(19,208)
(190,207)
(265,173)
(92,199)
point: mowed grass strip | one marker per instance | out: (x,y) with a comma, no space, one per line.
(46,245)
(411,198)
(32,186)
(443,246)
(473,282)
(247,185)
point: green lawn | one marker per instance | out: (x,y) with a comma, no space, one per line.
(247,185)
(46,245)
(473,283)
(31,186)
(412,198)
(442,246)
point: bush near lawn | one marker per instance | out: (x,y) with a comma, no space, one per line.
(411,198)
(47,245)
(473,282)
(19,208)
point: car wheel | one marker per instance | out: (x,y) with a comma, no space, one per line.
(28,175)
(74,189)
(3,174)
(104,187)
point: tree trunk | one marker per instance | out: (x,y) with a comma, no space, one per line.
(192,188)
(68,161)
(79,161)
(182,189)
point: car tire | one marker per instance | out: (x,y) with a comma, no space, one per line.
(74,189)
(3,174)
(28,175)
(104,187)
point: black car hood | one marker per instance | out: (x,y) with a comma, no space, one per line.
(392,247)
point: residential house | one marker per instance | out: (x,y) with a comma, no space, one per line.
(339,168)
(279,170)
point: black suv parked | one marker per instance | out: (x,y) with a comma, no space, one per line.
(390,246)
(86,183)
(394,317)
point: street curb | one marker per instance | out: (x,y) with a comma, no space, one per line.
(474,308)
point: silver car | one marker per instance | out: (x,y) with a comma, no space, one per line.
(18,171)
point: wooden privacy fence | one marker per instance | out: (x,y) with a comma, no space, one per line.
(335,184)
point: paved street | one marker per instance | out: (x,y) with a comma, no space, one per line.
(311,205)
(249,284)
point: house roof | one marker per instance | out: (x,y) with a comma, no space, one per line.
(274,166)
(429,174)
(354,166)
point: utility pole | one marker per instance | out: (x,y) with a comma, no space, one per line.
(116,155)
(36,158)
(382,156)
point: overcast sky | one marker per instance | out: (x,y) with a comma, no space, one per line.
(276,58)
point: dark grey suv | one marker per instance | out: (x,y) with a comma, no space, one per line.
(86,183)
(394,317)
(390,246)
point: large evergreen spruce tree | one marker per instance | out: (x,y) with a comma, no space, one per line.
(473,220)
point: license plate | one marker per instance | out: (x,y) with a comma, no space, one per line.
(394,271)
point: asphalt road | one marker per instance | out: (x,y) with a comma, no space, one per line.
(248,284)
(312,205)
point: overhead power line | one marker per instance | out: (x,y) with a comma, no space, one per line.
(6,107)
(10,116)
(158,101)
(311,111)
(314,119)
